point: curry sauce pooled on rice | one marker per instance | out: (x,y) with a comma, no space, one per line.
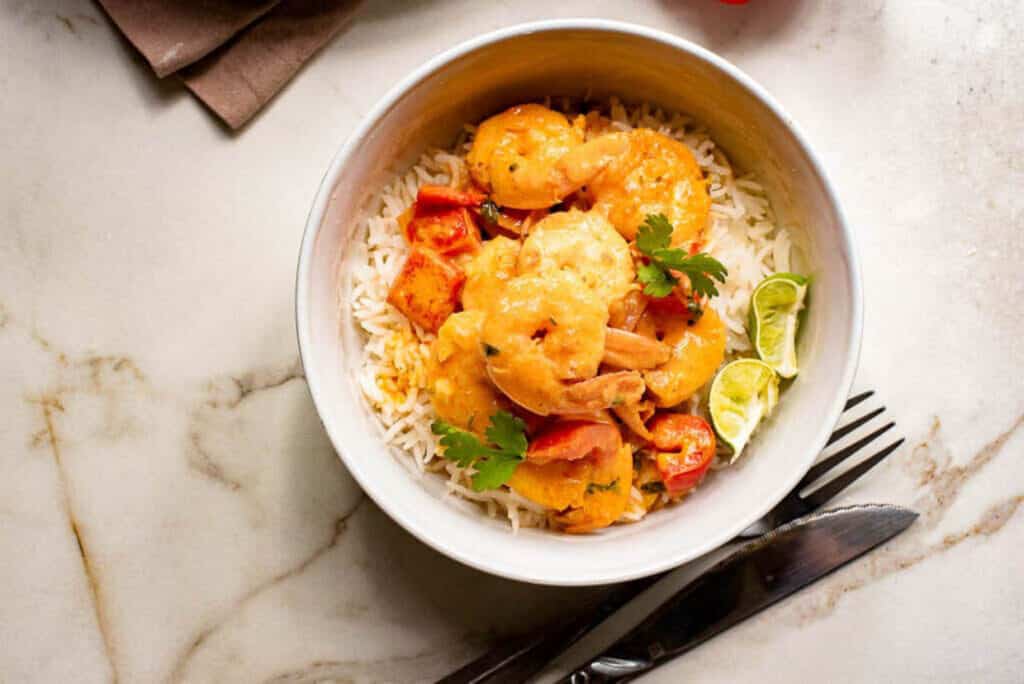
(557,313)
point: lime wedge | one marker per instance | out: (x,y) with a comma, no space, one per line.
(743,393)
(774,318)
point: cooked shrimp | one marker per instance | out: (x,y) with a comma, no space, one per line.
(605,497)
(489,272)
(599,416)
(588,245)
(657,175)
(697,352)
(457,378)
(542,335)
(625,313)
(530,157)
(604,391)
(647,479)
(513,222)
(634,416)
(590,493)
(624,349)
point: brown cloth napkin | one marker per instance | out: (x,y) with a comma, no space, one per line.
(238,81)
(234,55)
(171,34)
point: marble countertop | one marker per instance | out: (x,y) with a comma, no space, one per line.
(171,510)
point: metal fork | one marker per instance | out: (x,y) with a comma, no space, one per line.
(518,659)
(793,505)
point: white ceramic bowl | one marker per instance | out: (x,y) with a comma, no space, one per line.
(574,57)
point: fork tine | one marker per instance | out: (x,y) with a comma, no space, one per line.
(854,400)
(851,426)
(819,469)
(828,491)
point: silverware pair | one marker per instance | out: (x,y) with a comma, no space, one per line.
(518,659)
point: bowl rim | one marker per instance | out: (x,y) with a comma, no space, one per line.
(314,221)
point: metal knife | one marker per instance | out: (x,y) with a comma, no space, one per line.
(759,574)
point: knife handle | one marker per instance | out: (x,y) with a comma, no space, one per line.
(517,660)
(605,669)
(758,575)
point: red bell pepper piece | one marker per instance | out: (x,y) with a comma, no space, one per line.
(446,231)
(574,439)
(443,196)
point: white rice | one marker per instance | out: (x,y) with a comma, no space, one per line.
(742,235)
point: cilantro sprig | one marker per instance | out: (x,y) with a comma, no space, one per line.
(494,462)
(653,240)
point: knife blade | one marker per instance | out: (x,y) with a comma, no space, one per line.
(765,571)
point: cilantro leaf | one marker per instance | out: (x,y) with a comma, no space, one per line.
(700,281)
(655,233)
(700,268)
(495,464)
(508,432)
(459,446)
(658,282)
(653,240)
(494,472)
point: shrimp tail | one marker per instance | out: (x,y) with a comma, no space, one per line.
(603,391)
(633,416)
(623,349)
(581,164)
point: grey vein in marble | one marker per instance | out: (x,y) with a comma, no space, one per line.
(339,529)
(939,481)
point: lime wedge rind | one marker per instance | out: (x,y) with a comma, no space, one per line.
(775,312)
(743,393)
